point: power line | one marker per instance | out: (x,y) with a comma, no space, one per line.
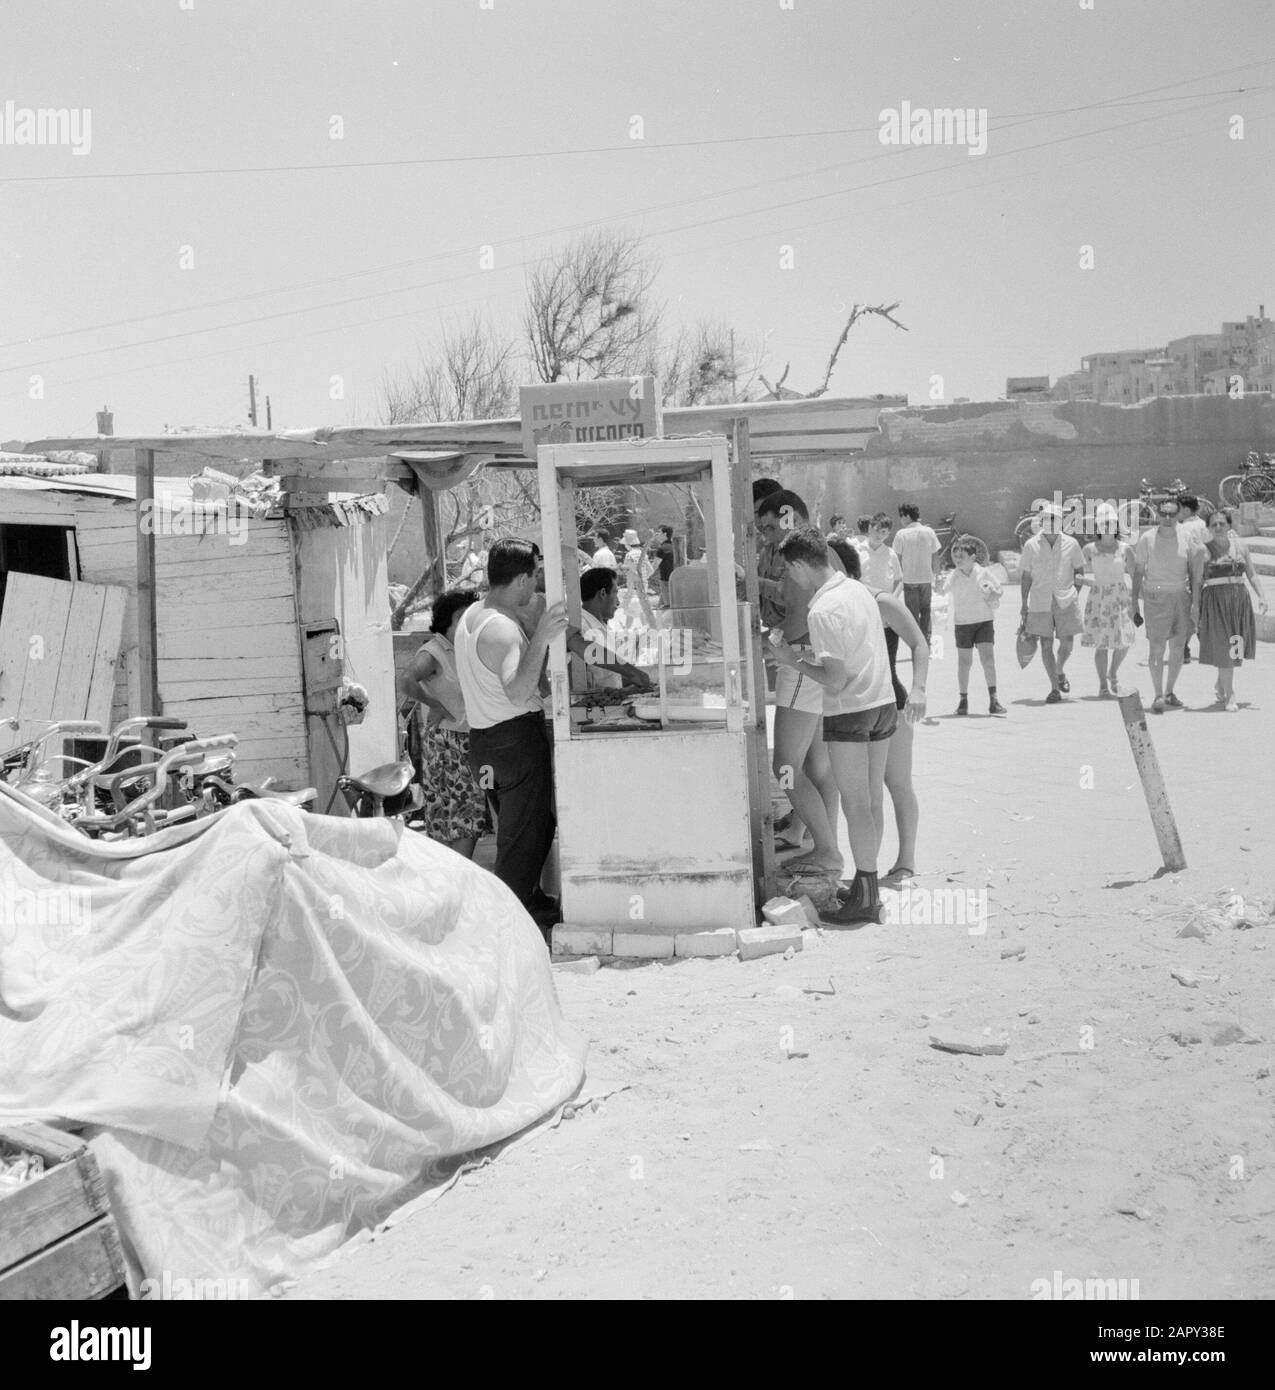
(706,222)
(510,156)
(1012,122)
(715,246)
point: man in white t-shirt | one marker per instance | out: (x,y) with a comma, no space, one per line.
(1050,562)
(848,659)
(603,556)
(595,664)
(917,548)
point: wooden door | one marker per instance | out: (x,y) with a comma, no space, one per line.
(59,645)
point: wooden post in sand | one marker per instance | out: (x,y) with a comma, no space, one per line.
(1166,830)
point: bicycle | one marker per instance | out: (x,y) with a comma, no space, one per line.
(1029,523)
(948,535)
(1255,482)
(1152,494)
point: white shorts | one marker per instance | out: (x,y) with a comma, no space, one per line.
(793,690)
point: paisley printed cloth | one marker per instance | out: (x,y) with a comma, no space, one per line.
(280,1025)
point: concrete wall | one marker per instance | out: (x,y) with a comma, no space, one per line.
(987,461)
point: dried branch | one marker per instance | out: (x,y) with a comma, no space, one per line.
(857,311)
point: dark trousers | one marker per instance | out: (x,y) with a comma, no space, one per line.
(512,761)
(917,597)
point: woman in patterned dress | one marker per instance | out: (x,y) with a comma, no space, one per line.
(1109,628)
(1222,611)
(455,807)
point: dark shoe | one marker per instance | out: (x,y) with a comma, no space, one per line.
(1173,702)
(852,914)
(964,705)
(1053,698)
(1064,684)
(996,708)
(1186,657)
(1157,705)
(858,904)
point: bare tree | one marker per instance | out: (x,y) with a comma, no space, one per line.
(589,309)
(470,377)
(857,311)
(705,364)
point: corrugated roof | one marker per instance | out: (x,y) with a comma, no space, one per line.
(38,466)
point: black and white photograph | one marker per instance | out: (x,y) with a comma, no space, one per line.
(635,664)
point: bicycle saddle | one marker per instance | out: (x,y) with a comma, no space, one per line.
(390,779)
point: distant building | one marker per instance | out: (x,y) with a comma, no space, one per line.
(1026,388)
(1200,363)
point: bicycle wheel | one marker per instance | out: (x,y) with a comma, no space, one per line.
(1258,487)
(1206,509)
(1024,531)
(1146,515)
(1228,490)
(982,555)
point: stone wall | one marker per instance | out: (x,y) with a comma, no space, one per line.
(988,461)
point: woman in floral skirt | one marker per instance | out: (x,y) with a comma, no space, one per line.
(1109,627)
(455,809)
(1222,611)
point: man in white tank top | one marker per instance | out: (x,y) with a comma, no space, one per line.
(499,666)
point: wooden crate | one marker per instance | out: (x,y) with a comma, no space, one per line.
(58,1239)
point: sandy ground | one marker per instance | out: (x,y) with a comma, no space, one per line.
(774,1138)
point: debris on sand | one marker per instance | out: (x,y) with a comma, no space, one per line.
(1232,1033)
(1186,978)
(976,1044)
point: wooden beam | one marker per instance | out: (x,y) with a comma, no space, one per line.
(323,486)
(761,813)
(147,624)
(827,425)
(334,471)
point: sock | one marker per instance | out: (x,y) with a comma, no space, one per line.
(869,880)
(965,694)
(991,690)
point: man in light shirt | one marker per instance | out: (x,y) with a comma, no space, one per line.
(1163,584)
(1050,562)
(603,556)
(595,664)
(917,548)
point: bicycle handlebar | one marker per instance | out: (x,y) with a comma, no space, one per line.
(180,756)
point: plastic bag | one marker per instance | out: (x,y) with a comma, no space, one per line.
(1025,645)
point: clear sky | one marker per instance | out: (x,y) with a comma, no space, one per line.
(211,126)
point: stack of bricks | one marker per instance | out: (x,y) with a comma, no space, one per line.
(785,920)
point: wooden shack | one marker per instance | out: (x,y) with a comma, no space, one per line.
(258,618)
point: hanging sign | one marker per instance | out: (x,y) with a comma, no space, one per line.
(589,412)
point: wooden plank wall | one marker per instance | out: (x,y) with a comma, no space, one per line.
(229,651)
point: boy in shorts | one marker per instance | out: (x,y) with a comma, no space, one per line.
(849,662)
(974,593)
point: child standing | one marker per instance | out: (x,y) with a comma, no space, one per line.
(974,593)
(1109,627)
